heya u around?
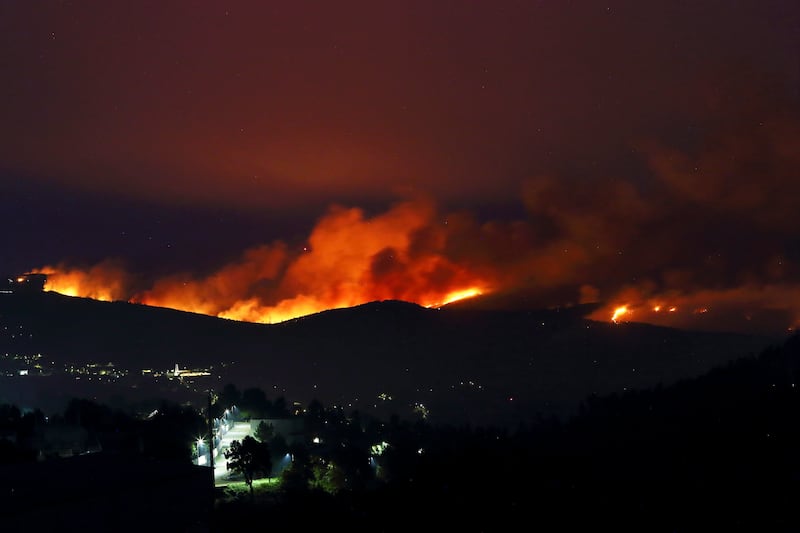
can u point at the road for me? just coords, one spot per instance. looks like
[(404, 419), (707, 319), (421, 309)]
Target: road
[(221, 474)]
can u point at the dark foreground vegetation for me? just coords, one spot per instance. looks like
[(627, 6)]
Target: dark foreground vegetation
[(718, 452)]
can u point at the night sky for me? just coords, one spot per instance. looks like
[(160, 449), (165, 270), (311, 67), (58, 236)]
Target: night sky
[(260, 160)]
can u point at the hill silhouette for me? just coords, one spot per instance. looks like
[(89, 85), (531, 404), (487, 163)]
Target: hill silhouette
[(453, 365)]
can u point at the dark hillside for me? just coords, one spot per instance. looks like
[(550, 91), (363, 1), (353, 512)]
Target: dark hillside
[(453, 365)]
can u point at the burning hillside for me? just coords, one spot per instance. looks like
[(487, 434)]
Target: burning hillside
[(696, 245)]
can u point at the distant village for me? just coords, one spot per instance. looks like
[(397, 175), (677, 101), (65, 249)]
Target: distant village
[(33, 365)]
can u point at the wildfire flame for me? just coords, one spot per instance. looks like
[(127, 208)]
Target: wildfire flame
[(658, 308), (410, 253), (456, 296), (349, 260), (619, 312), (104, 281)]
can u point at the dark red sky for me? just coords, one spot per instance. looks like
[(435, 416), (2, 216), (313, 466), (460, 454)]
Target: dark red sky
[(174, 135)]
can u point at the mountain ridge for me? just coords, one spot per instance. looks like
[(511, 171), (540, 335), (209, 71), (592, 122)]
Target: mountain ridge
[(451, 364)]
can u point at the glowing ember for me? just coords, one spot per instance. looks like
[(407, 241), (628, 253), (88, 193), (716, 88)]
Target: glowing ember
[(619, 312), (659, 308)]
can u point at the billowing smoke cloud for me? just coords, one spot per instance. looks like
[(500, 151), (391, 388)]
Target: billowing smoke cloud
[(705, 236), (349, 259), (720, 248)]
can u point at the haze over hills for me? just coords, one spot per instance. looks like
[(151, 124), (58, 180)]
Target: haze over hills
[(452, 365)]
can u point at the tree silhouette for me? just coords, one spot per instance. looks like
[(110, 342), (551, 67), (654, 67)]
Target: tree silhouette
[(249, 458), (230, 396), (297, 476), (265, 432), (279, 409), (255, 404)]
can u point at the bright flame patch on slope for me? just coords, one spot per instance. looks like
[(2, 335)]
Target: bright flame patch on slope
[(619, 312), (102, 282), (456, 296)]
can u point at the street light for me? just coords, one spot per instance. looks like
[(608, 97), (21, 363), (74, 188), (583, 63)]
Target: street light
[(201, 458)]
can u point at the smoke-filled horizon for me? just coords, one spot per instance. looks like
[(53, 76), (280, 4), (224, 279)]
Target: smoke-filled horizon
[(260, 160), (699, 240)]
